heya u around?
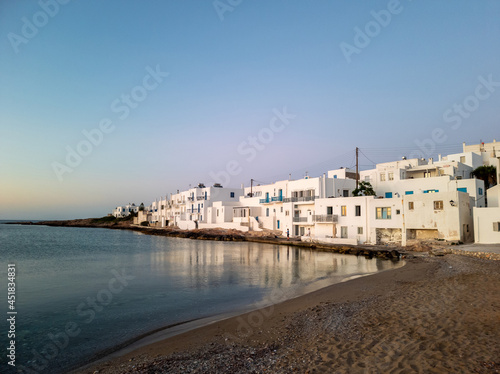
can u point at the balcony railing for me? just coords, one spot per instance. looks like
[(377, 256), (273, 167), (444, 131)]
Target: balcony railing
[(326, 218), (299, 199), (299, 219), (272, 199), (190, 198), (200, 197), (192, 211)]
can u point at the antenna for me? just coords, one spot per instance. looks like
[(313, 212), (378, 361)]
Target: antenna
[(357, 174)]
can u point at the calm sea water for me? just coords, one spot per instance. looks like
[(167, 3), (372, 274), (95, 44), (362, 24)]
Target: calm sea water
[(83, 291)]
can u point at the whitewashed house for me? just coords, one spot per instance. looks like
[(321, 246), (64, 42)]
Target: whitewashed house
[(125, 210), (487, 220), (408, 177)]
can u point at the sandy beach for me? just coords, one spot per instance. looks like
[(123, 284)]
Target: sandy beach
[(437, 314)]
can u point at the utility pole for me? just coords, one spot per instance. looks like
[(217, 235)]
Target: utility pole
[(357, 174), (251, 187)]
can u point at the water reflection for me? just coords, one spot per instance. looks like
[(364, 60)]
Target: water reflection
[(208, 264)]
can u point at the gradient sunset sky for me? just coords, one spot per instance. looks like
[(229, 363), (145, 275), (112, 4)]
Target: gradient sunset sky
[(210, 76)]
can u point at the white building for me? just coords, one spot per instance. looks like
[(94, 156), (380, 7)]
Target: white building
[(415, 199), (194, 208), (414, 176), (125, 210), (487, 220)]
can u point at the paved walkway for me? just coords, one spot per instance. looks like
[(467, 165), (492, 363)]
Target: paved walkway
[(493, 248)]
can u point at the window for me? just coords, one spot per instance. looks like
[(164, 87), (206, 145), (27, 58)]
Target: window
[(462, 189), (232, 194), (408, 192), (217, 212), (388, 195), (329, 210), (383, 213), (398, 211), (278, 223), (360, 231), (480, 191), (496, 226), (335, 176), (462, 159), (343, 232), (427, 174), (382, 177), (346, 193), (367, 178), (267, 212), (358, 210), (391, 176), (281, 209), (438, 205), (343, 210), (287, 213), (431, 191)]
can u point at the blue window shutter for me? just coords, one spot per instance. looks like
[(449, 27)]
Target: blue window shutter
[(409, 193), (462, 189), (388, 195)]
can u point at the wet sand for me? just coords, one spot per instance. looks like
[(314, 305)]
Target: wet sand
[(437, 314)]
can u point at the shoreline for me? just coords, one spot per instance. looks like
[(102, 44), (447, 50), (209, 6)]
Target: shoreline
[(433, 311), (392, 252), (440, 308), (171, 331)]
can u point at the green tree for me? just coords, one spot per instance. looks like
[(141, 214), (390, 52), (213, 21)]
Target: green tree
[(364, 189), (488, 174)]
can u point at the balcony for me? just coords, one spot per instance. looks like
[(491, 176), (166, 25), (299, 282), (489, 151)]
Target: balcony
[(200, 197), (190, 198), (299, 199), (269, 200), (193, 211), (299, 219), (326, 218)]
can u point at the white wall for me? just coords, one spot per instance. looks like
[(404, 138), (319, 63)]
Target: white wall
[(484, 218)]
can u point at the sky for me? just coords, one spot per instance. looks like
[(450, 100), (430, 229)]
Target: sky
[(103, 103)]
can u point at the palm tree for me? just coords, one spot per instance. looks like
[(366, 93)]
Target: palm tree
[(488, 174), (364, 189)]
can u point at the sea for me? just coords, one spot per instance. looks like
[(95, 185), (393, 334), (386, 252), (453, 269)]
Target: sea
[(82, 293)]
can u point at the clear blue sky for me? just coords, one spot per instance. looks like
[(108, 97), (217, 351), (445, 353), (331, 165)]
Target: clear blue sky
[(229, 71)]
